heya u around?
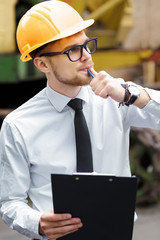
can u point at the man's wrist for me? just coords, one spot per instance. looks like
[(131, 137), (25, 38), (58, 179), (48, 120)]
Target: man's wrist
[(143, 99), (132, 94)]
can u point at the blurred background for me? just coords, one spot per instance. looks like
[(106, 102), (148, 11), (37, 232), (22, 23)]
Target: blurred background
[(128, 34)]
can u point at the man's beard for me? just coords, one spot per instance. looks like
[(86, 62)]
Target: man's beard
[(75, 81)]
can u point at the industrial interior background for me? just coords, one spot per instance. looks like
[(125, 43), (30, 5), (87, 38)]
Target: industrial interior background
[(128, 34)]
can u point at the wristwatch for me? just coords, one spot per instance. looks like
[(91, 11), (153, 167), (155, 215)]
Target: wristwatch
[(134, 93)]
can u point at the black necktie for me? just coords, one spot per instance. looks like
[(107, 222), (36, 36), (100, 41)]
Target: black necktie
[(83, 143)]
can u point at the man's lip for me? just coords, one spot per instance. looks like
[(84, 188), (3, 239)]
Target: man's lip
[(85, 68)]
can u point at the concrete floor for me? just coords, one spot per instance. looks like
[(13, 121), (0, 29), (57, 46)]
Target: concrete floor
[(147, 227), (7, 234)]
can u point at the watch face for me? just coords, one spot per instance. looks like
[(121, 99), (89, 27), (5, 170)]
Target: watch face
[(134, 90)]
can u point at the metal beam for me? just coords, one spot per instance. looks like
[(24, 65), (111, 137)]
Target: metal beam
[(103, 8), (111, 59)]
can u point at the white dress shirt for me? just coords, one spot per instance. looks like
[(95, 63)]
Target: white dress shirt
[(38, 139)]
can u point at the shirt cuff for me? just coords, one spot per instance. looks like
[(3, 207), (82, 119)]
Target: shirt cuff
[(154, 94), (32, 228), (35, 227), (154, 108)]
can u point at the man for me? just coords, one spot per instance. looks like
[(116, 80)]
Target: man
[(38, 138)]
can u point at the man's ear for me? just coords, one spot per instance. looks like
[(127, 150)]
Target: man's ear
[(41, 64)]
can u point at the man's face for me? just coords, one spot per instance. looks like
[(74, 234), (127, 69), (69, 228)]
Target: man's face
[(62, 69)]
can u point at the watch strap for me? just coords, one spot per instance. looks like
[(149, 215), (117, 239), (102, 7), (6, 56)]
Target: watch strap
[(126, 95), (131, 100)]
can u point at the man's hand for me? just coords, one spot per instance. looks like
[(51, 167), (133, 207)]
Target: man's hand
[(57, 225), (105, 85)]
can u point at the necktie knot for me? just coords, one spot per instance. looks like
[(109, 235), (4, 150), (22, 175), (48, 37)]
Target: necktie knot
[(75, 104)]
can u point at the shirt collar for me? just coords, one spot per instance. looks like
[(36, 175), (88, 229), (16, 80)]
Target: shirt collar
[(59, 101)]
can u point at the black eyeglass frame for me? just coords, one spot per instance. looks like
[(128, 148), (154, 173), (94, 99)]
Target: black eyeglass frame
[(50, 54)]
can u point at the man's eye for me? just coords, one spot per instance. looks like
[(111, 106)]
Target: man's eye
[(75, 49)]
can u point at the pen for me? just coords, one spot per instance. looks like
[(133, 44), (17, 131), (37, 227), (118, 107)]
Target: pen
[(91, 74)]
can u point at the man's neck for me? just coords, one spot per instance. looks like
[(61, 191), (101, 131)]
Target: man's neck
[(66, 90)]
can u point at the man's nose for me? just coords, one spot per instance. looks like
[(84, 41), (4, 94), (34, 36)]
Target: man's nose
[(85, 55)]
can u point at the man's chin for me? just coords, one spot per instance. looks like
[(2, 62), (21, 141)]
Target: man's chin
[(84, 80), (80, 81), (84, 83)]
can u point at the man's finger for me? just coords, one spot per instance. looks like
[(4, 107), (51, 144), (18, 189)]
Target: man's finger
[(50, 217), (93, 72), (72, 221), (58, 235)]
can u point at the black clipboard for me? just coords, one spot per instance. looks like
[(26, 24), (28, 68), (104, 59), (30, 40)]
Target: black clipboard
[(105, 204)]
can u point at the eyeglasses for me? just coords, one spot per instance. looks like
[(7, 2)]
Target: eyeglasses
[(76, 52)]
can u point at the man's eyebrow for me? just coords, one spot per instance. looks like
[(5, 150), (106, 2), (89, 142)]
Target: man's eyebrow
[(74, 45)]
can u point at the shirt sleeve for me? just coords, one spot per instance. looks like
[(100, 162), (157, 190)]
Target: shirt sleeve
[(147, 117), (14, 184), (154, 105)]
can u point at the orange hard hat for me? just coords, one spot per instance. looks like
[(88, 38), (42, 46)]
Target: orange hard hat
[(46, 22)]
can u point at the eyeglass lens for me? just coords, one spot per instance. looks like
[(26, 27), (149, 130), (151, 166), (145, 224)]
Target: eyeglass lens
[(75, 53)]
